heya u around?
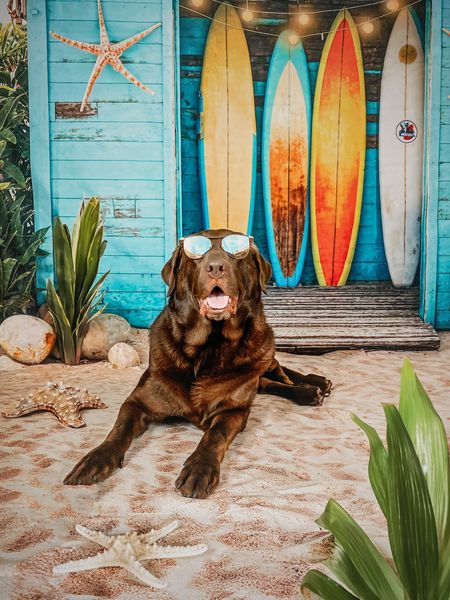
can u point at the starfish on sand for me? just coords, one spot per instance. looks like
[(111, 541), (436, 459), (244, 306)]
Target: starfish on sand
[(107, 54), (127, 550), (64, 402)]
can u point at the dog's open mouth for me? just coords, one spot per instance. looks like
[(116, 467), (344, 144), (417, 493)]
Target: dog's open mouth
[(218, 304)]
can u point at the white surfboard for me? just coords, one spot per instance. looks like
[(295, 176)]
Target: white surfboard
[(401, 147)]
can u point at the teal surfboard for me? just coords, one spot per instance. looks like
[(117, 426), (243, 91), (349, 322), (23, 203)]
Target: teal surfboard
[(286, 137)]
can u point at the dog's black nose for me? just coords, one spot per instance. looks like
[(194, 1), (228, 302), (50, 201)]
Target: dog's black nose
[(216, 269)]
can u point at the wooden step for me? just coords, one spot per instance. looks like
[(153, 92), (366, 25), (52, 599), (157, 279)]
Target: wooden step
[(369, 316)]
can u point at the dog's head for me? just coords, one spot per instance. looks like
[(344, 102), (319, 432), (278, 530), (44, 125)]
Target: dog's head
[(216, 272)]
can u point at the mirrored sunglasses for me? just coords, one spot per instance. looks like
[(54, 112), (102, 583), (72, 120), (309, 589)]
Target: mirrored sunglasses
[(235, 244)]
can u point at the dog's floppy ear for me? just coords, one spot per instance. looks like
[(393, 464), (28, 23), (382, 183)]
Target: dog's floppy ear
[(264, 269), (169, 271)]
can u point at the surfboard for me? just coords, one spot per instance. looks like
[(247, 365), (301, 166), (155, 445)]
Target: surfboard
[(401, 147), (338, 149), (285, 159), (227, 136)]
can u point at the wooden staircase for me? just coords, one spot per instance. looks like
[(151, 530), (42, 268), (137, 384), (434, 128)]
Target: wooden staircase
[(372, 316)]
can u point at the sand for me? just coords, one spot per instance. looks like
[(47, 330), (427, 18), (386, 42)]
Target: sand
[(259, 523)]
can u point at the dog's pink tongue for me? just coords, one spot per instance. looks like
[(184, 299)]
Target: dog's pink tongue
[(217, 301)]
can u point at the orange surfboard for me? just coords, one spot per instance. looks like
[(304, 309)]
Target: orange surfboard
[(337, 152)]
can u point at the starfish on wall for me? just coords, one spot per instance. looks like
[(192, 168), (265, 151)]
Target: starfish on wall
[(107, 54), (65, 402), (127, 550)]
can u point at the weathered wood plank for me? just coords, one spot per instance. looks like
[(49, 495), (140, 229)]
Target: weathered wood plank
[(88, 131), (94, 150), (138, 54), (370, 316), (121, 12), (102, 169), (79, 188), (104, 92)]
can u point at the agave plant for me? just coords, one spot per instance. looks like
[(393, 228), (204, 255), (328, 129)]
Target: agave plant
[(410, 479), (76, 301)]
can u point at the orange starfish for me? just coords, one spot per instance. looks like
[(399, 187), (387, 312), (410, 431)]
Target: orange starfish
[(65, 402), (107, 54)]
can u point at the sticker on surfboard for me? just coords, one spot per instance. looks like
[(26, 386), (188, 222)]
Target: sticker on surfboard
[(406, 131)]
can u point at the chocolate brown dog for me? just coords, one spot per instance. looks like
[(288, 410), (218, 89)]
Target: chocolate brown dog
[(211, 351)]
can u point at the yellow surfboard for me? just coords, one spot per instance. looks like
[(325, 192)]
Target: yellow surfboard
[(227, 141), (337, 152)]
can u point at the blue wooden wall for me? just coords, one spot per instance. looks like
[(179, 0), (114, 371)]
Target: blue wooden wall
[(124, 154), (443, 261), (369, 262)]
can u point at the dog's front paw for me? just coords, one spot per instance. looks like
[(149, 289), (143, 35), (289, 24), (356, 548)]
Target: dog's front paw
[(323, 383), (198, 478), (306, 394), (96, 466)]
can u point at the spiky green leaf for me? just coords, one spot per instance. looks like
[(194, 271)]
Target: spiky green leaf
[(62, 325), (377, 464), (342, 567), (427, 433), (368, 560), (411, 523), (64, 268), (325, 587)]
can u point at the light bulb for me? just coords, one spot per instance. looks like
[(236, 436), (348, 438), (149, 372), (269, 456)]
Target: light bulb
[(303, 18), (197, 3), (368, 27), (293, 38), (247, 15), (392, 5)]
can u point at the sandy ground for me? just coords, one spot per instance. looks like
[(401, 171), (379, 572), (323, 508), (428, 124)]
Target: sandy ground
[(259, 524)]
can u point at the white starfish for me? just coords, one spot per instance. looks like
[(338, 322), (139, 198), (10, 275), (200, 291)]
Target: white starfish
[(127, 550)]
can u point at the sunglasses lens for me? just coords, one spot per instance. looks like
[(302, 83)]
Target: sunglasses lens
[(196, 246), (236, 244)]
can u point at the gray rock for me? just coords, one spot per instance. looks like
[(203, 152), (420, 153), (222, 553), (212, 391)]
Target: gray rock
[(27, 339), (103, 332), (122, 356)]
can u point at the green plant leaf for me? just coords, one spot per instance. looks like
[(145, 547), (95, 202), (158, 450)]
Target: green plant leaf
[(89, 218), (15, 173), (2, 146), (342, 567), (378, 473), (92, 262), (62, 325), (324, 587), (7, 109), (4, 185), (64, 268), (411, 523), (13, 284), (6, 134), (427, 433), (8, 268), (30, 252), (367, 559)]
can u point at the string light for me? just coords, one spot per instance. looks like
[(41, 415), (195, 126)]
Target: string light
[(293, 38), (303, 18), (247, 14), (197, 3), (310, 12), (392, 5), (368, 24)]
